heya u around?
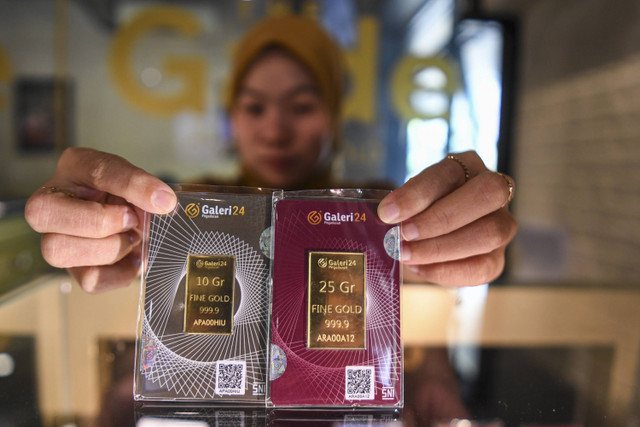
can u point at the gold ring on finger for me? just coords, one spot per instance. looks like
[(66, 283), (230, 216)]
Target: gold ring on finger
[(51, 189), (510, 185), (467, 174)]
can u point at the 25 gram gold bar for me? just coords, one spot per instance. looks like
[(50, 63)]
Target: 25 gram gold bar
[(336, 317)]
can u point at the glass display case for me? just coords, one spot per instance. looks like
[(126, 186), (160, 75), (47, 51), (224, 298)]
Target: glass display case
[(497, 355), (555, 343)]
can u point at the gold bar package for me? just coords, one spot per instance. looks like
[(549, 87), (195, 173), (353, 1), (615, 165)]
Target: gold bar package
[(204, 306), (335, 324)]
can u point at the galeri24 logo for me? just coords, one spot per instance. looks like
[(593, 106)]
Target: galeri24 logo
[(192, 210), (314, 217)]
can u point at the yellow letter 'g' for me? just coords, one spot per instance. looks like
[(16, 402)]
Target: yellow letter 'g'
[(190, 70)]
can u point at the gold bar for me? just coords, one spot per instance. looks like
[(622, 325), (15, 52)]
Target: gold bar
[(336, 316), (209, 294)]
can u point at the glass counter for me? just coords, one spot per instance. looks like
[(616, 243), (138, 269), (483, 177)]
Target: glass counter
[(485, 356)]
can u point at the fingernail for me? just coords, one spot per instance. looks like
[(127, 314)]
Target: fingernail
[(405, 253), (134, 237), (414, 268), (410, 231), (129, 220), (163, 200), (388, 212)]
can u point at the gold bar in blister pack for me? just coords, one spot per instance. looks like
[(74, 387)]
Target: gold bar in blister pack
[(336, 300), (209, 295)]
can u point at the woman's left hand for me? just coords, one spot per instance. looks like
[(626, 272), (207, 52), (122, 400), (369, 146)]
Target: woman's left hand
[(455, 222)]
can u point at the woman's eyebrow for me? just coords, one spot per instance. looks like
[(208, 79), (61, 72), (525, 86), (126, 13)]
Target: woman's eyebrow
[(302, 89), (244, 90), (297, 90)]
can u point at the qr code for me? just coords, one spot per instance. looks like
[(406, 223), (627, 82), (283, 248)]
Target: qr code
[(360, 383), (230, 377)]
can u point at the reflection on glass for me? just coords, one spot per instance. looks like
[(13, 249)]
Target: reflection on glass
[(426, 143), (480, 53), (473, 110)]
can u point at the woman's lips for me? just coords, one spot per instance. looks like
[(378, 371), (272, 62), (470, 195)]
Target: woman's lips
[(281, 164)]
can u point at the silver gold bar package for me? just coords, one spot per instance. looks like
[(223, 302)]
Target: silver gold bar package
[(204, 305), (335, 324)]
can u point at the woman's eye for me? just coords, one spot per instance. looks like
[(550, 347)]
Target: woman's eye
[(254, 109), (303, 108)]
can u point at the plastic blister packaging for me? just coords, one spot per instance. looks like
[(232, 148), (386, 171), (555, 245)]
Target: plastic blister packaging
[(204, 304), (335, 331)]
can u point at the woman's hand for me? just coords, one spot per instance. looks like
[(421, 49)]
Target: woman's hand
[(90, 214), (455, 227)]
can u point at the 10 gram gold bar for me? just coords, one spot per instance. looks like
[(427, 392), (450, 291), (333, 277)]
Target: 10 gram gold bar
[(209, 296)]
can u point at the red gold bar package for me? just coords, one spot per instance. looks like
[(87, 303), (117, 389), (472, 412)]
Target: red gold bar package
[(335, 329)]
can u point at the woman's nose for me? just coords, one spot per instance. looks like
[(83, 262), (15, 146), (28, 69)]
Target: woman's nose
[(276, 126)]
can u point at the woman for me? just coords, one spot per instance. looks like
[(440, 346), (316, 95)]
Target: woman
[(284, 101)]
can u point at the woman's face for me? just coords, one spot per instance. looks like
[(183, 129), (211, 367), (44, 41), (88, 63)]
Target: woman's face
[(281, 125)]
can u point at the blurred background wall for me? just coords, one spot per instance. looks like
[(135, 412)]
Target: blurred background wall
[(577, 141)]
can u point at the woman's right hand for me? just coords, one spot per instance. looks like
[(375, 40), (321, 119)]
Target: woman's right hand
[(90, 215)]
